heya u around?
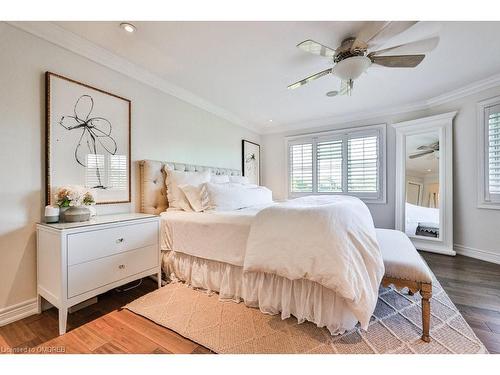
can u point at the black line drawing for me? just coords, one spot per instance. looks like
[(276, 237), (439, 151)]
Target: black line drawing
[(96, 133)]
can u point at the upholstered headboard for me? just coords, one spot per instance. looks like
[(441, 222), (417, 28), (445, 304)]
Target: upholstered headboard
[(153, 189)]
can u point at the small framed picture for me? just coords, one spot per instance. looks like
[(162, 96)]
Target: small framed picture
[(250, 161)]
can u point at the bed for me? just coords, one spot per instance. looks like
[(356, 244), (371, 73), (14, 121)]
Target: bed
[(212, 251), (421, 221)]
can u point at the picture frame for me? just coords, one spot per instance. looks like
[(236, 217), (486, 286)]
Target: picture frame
[(250, 161), (88, 140)]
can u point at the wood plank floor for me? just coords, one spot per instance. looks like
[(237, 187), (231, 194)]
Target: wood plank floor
[(99, 328), (473, 285)]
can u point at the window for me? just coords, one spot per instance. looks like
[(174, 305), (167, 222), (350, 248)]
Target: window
[(329, 159), (349, 161), (362, 164), (118, 172), (489, 118), (110, 176), (301, 167), (95, 173)]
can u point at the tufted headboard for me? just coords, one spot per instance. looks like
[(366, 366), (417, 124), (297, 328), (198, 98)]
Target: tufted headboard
[(153, 189)]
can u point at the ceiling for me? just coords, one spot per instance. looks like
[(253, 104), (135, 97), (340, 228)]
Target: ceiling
[(244, 67)]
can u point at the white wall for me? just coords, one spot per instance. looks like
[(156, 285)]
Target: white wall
[(163, 128), (476, 231)]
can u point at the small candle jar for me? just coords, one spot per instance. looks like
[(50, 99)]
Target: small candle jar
[(51, 214)]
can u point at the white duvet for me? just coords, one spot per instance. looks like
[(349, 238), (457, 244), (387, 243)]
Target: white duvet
[(330, 240)]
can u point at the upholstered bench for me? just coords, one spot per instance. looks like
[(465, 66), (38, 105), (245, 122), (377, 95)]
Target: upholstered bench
[(405, 268)]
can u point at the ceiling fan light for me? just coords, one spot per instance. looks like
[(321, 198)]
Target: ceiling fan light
[(351, 68)]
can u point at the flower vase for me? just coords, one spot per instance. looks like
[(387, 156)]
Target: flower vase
[(75, 214)]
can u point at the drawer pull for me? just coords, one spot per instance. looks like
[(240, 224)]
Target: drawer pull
[(119, 240), (121, 266)]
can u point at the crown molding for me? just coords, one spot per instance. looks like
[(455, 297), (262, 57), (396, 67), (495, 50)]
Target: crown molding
[(66, 39), (59, 36), (347, 118), (464, 91), (470, 89)]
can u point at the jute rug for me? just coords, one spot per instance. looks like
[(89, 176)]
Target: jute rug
[(229, 327)]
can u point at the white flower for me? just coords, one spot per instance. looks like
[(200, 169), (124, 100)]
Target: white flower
[(73, 195)]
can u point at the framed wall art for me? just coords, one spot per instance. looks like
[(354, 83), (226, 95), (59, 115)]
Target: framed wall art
[(250, 161), (87, 140)]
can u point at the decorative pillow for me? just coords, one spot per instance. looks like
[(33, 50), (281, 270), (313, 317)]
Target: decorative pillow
[(197, 196), (233, 196), (176, 197), (239, 179), (219, 179)]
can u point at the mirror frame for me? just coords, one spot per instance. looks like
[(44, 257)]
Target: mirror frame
[(443, 125)]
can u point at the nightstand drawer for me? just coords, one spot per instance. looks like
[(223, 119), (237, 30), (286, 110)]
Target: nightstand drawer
[(87, 276), (86, 246)]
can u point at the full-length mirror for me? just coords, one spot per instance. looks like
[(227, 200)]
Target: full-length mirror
[(424, 201), (422, 185)]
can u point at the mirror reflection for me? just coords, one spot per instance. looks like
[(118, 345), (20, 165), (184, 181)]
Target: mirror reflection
[(422, 185)]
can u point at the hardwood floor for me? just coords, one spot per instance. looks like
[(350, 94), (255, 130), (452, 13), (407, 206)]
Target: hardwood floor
[(473, 285), (99, 328)]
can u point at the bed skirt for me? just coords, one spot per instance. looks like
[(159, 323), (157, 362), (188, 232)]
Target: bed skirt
[(272, 294)]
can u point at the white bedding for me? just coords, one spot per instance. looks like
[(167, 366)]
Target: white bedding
[(220, 236), (322, 245), (418, 214), (330, 240)]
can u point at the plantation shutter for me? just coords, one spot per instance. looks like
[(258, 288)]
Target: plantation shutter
[(118, 172), (362, 164), (95, 173), (301, 167), (493, 143), (329, 166)]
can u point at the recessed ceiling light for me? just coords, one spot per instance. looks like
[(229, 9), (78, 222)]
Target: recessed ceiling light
[(128, 27), (332, 93), (270, 120), (429, 170)]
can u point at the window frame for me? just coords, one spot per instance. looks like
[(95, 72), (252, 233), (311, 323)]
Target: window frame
[(484, 198), (379, 197)]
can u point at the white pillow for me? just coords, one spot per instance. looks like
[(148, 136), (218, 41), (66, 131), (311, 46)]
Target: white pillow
[(239, 179), (219, 179), (176, 197), (233, 196), (197, 196)]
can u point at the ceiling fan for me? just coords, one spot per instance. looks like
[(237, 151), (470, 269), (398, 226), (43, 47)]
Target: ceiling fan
[(433, 148), (356, 54)]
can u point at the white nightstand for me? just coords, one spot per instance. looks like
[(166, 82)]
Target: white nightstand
[(78, 261)]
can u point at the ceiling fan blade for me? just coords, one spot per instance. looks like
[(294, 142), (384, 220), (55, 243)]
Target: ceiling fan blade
[(420, 154), (433, 146), (346, 88), (421, 46), (310, 78), (390, 30), (401, 61), (316, 48), (369, 30)]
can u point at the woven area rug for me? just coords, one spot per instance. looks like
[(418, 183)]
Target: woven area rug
[(229, 327)]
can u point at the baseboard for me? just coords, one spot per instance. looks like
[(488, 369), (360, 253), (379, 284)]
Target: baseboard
[(19, 311), (485, 255)]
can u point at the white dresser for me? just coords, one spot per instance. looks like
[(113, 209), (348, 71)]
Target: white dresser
[(78, 261)]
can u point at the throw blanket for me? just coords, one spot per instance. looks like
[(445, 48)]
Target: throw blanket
[(330, 240)]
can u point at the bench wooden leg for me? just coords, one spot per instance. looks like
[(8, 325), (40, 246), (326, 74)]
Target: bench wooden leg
[(426, 293)]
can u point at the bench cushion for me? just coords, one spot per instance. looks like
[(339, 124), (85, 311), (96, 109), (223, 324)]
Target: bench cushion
[(401, 259)]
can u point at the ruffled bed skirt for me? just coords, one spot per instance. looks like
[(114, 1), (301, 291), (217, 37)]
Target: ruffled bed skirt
[(272, 294)]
